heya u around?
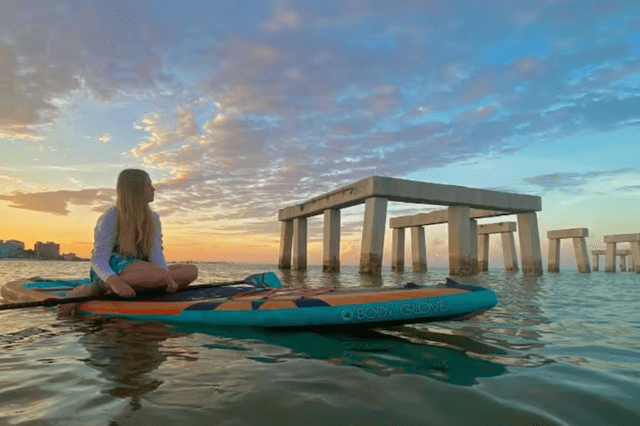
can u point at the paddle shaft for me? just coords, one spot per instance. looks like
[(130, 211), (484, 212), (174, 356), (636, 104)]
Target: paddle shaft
[(53, 301)]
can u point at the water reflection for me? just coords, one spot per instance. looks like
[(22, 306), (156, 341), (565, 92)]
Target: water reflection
[(373, 351), (128, 352), (125, 353)]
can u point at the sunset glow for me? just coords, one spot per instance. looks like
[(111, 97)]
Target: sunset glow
[(238, 109)]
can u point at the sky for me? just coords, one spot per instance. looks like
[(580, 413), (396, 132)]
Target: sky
[(240, 108)]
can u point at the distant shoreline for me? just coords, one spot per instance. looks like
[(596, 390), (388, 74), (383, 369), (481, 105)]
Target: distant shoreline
[(43, 260)]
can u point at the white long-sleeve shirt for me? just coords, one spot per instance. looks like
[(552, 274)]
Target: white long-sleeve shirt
[(106, 238)]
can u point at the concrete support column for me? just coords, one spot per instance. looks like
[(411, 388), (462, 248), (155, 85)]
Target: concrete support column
[(473, 238), (509, 251), (635, 255), (596, 262), (331, 243), (286, 239), (610, 266), (582, 257), (397, 249), (623, 263), (483, 252), (300, 244), (418, 249), (554, 255), (460, 242), (530, 244), (375, 217)]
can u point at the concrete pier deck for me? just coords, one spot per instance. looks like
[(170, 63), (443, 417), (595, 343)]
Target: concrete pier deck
[(376, 191)]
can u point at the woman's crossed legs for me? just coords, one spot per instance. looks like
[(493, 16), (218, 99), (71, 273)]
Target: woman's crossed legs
[(143, 275), (140, 276)]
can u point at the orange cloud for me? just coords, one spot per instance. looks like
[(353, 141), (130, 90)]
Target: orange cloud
[(56, 202)]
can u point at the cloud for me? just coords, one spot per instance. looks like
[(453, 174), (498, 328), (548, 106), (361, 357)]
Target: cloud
[(52, 51), (56, 202), (283, 18), (572, 182), (629, 188), (284, 102), (106, 137), (482, 113)]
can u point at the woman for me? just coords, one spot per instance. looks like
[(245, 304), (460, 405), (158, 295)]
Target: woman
[(127, 255)]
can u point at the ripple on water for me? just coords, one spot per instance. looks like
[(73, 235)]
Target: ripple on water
[(558, 349)]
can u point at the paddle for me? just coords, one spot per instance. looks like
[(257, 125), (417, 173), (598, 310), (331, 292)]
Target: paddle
[(263, 280)]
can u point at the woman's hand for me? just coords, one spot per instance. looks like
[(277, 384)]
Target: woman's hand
[(118, 286)]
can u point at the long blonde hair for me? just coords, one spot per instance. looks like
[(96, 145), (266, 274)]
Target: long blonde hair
[(135, 223)]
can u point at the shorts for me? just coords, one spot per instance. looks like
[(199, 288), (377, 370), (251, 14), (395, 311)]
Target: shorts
[(117, 262)]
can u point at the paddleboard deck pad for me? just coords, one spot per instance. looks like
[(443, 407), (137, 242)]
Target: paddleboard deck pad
[(244, 305)]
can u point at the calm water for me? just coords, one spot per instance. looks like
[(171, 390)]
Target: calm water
[(561, 349)]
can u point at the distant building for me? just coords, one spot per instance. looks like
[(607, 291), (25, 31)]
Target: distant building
[(11, 248), (48, 250), (69, 256)]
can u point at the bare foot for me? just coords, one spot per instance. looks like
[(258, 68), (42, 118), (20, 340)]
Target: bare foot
[(172, 287), (68, 308), (118, 286)]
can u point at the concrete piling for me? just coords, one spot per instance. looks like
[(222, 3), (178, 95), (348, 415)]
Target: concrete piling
[(299, 244), (397, 250), (460, 242), (375, 217), (610, 265), (509, 252), (418, 249), (483, 252), (635, 256), (286, 240), (554, 255), (473, 232), (331, 242), (530, 244)]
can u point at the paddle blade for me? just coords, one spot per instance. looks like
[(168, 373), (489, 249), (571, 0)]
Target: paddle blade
[(271, 280), (264, 280)]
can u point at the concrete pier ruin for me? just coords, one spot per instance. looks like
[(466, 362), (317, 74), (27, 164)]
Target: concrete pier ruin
[(506, 230), (634, 246), (417, 223), (376, 191), (479, 244), (622, 255), (578, 236)]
